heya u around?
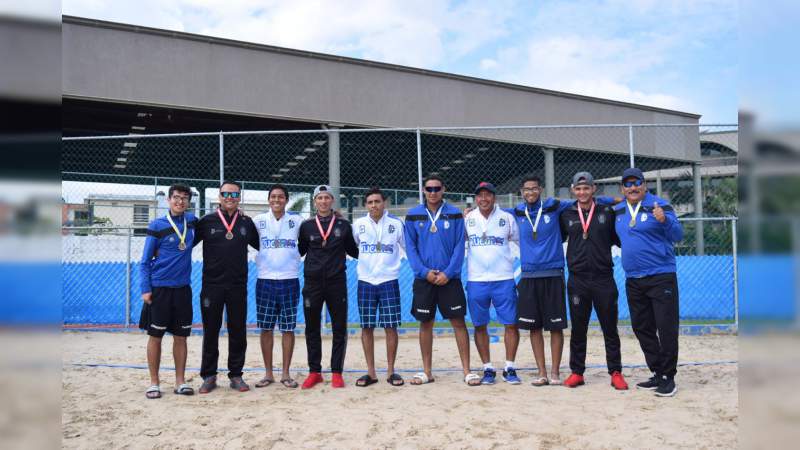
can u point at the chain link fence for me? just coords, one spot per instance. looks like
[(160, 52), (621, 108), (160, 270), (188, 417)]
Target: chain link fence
[(113, 186)]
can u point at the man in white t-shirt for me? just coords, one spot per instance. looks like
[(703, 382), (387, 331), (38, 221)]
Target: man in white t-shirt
[(379, 237), (490, 278), (278, 287)]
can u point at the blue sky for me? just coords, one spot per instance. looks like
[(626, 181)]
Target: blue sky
[(673, 54)]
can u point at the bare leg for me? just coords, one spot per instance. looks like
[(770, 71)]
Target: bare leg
[(179, 352), (482, 343), (391, 349), (368, 342), (153, 358), (537, 343), (426, 347), (267, 340), (556, 349), (287, 342), (462, 341), (511, 340)]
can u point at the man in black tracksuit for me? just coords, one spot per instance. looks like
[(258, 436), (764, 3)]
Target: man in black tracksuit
[(226, 234), (589, 229), (324, 240)]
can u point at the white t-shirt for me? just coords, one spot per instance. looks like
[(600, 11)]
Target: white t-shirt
[(489, 256), (278, 257), (379, 265)]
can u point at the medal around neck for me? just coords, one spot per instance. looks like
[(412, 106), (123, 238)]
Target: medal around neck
[(181, 236), (229, 234)]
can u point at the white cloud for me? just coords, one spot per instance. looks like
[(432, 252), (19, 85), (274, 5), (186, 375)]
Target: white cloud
[(488, 64)]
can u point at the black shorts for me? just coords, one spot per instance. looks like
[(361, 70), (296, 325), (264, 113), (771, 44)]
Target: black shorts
[(170, 311), (449, 298), (541, 304)]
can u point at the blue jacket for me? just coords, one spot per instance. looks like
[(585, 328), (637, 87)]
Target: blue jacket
[(647, 247), (443, 250), (546, 252), (163, 264)]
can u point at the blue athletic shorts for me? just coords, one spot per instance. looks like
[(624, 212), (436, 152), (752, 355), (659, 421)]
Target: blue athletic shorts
[(483, 294), (276, 302), (384, 297)]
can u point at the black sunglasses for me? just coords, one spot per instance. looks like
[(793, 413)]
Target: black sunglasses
[(433, 188), (230, 194), (636, 182)]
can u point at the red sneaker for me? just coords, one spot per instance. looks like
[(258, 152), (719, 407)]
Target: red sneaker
[(337, 381), (618, 381), (312, 380), (574, 380)]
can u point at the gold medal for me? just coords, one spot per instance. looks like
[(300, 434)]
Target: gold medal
[(433, 228), (182, 246), (181, 236), (229, 235), (534, 235), (632, 222)]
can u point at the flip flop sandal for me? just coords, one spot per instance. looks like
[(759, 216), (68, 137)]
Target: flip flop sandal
[(555, 381), (153, 392), (264, 382), (541, 381), (394, 378), (184, 389), (422, 378), (470, 377), (365, 381), (289, 383)]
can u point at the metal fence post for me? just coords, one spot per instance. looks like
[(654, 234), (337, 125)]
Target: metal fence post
[(549, 173), (128, 281), (419, 163), (735, 274), (630, 143), (221, 158), (334, 165), (700, 243)]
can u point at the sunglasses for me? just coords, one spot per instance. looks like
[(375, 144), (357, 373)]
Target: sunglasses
[(637, 182), (230, 194), (433, 188)]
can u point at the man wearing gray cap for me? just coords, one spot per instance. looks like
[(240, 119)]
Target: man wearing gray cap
[(588, 228), (325, 240)]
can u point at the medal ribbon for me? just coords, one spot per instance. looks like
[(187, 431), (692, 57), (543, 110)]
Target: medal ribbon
[(634, 212), (330, 227), (485, 224), (585, 223), (535, 226), (225, 222), (182, 237), (438, 213), (377, 230)]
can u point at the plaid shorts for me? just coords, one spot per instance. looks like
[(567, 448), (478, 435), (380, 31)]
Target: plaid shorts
[(276, 302), (385, 298)]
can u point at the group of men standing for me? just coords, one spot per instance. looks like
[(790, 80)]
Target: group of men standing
[(433, 237)]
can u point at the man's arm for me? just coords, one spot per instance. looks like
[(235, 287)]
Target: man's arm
[(150, 245), (667, 217), (302, 241), (412, 252), (457, 258), (350, 245), (199, 234), (255, 238)]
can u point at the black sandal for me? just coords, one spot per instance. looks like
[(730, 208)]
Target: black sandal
[(394, 378), (365, 381)]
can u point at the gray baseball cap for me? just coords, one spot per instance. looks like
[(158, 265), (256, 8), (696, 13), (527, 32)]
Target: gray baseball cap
[(322, 189), (582, 178)]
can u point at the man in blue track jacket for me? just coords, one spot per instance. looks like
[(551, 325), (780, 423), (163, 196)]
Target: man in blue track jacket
[(647, 228), (166, 270), (434, 236)]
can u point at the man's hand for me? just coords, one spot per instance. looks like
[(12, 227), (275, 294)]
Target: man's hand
[(147, 297), (431, 277), (468, 210), (658, 212), (441, 279)]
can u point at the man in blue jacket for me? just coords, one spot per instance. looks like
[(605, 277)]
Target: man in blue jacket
[(166, 270), (647, 228), (434, 235)]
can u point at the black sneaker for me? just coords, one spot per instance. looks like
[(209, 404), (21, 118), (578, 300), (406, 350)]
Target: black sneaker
[(666, 387), (651, 384)]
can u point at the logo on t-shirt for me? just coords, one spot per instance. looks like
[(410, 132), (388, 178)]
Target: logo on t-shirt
[(471, 222), (502, 223), (262, 224), (446, 224), (391, 229), (547, 218), (291, 223), (362, 229)]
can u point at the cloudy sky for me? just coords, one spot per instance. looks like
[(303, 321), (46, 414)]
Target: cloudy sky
[(669, 53)]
